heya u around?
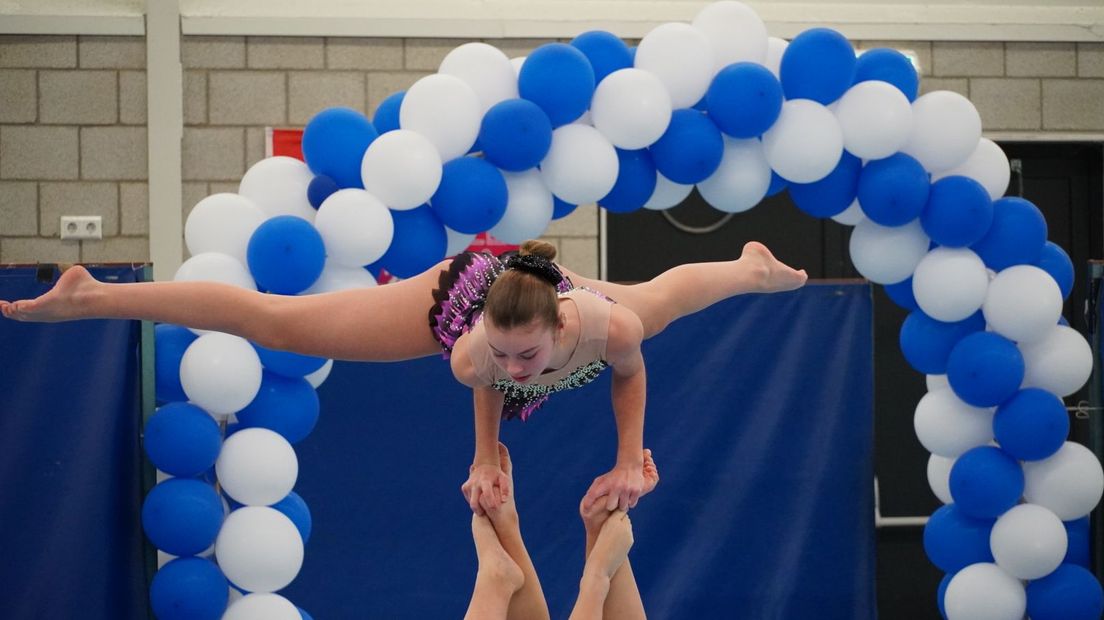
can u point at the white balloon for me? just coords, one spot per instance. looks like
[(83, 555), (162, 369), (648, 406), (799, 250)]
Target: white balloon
[(1023, 304), (950, 284), (266, 606), (1069, 483), (259, 550), (742, 179), (337, 277), (257, 467), (775, 48), (631, 108), (445, 110), (681, 57), (1060, 362), (887, 255), (581, 165), (948, 427), (805, 143), (485, 69), (528, 210), (984, 592), (215, 267), (278, 186), (935, 382), (319, 376), (402, 168), (355, 227), (946, 128), (939, 476), (735, 33), (220, 373), (457, 241), (667, 193), (516, 63), (876, 119), (1028, 541), (222, 223), (233, 596), (987, 165), (850, 216)]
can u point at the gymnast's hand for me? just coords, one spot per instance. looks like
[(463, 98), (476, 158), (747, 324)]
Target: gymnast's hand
[(622, 487), (486, 488)]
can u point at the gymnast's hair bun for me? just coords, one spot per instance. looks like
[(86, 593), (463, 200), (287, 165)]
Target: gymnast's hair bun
[(539, 248)]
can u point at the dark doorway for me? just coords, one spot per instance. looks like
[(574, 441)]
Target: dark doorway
[(1063, 179)]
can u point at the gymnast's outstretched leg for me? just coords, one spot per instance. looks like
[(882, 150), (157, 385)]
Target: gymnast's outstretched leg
[(498, 578), (686, 289), (382, 323)]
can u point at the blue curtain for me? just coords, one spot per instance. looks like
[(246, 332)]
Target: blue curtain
[(70, 415), (760, 415)]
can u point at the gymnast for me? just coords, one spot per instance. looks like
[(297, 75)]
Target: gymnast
[(516, 330), (506, 584)]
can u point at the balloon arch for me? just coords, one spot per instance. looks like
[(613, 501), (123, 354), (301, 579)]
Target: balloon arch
[(493, 144)]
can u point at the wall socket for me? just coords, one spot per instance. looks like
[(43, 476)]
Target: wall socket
[(81, 227)]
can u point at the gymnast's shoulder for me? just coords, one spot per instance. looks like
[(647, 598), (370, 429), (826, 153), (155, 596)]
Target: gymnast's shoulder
[(463, 368), (624, 337)]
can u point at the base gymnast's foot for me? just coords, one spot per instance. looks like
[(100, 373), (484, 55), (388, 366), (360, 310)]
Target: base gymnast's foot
[(776, 275), (495, 565), (611, 548)]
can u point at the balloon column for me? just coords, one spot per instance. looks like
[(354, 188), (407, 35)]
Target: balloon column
[(493, 144)]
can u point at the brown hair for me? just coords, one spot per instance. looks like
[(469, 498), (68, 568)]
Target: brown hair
[(518, 297)]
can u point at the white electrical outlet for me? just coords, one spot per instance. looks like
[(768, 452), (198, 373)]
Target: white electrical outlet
[(81, 227)]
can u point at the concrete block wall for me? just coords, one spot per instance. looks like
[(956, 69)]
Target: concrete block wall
[(73, 113)]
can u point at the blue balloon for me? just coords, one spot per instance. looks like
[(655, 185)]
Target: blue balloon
[(832, 194), (1069, 593), (605, 51), (954, 540), (941, 594), (986, 482), (1079, 537), (636, 182), (1031, 425), (1016, 237), (959, 212), (901, 294), (386, 117), (516, 135), (744, 99), (471, 197), (558, 78), (888, 65), (189, 588), (295, 509), (182, 516), (304, 614), (894, 190), (777, 184), (927, 343), (320, 188), (182, 440), (334, 142), (561, 208), (1057, 263), (690, 150), (818, 64), (169, 344), (287, 363), (985, 369), (285, 255), (285, 405), (419, 243)]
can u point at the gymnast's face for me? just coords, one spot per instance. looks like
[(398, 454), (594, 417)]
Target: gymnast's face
[(523, 351)]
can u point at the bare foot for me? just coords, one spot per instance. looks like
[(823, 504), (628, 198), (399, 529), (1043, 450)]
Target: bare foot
[(495, 564), (777, 275), (596, 516), (61, 303), (611, 548), (505, 515)]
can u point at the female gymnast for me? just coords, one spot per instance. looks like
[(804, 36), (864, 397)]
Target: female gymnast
[(546, 329), (506, 584)]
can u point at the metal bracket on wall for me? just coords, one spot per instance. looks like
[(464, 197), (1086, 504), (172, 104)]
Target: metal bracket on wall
[(696, 230)]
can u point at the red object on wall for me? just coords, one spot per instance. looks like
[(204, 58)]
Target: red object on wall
[(289, 143)]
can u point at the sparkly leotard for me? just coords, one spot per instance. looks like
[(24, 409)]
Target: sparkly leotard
[(458, 310)]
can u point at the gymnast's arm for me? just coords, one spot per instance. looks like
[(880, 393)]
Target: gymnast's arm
[(624, 483), (487, 484)]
